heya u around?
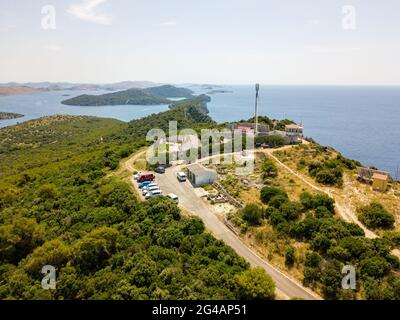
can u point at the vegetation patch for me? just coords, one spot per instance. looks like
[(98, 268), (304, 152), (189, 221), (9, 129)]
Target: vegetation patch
[(376, 216)]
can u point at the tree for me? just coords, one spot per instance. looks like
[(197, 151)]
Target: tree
[(374, 267), (269, 169), (267, 193), (290, 256), (252, 214), (291, 210), (193, 226), (278, 201), (310, 201), (331, 280), (254, 284), (376, 216), (53, 252), (47, 192), (92, 251), (19, 238)]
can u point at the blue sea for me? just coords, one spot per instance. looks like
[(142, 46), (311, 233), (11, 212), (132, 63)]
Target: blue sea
[(363, 123)]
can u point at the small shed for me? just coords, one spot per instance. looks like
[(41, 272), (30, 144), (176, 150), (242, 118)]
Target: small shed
[(380, 181), (199, 175)]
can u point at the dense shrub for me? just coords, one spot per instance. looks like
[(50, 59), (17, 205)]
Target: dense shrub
[(255, 284), (376, 216), (267, 193), (269, 169), (310, 201), (252, 214), (328, 172)]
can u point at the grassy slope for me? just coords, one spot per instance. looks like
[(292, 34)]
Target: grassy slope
[(58, 207)]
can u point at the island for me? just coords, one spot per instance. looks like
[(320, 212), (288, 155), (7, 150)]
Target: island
[(149, 96), (219, 91), (17, 90), (10, 115)]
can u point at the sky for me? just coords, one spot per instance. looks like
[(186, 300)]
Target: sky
[(282, 42)]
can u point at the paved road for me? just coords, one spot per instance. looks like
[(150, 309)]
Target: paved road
[(188, 200)]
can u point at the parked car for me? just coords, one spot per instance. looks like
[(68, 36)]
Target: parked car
[(160, 169), (146, 177), (152, 184), (144, 184), (151, 189), (173, 197), (181, 176), (156, 192)]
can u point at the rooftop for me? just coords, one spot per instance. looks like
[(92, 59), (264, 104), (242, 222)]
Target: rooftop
[(197, 168), (293, 126), (380, 176)]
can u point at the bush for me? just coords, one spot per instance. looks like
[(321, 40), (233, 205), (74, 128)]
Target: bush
[(329, 172), (310, 201), (290, 256), (375, 216), (269, 169), (375, 267), (267, 193), (252, 214), (291, 210), (254, 284), (278, 201)]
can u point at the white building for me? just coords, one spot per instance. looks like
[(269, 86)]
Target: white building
[(199, 175), (177, 146), (294, 134)]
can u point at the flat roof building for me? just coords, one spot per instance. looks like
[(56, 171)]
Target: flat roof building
[(380, 181), (199, 175)]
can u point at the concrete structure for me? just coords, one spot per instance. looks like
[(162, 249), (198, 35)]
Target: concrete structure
[(245, 127), (293, 134), (380, 181), (199, 176), (366, 174), (177, 146)]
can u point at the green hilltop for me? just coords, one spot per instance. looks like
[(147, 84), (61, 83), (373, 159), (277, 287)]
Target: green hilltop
[(150, 96), (61, 204)]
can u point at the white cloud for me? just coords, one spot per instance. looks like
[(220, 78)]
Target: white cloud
[(169, 23), (52, 47), (86, 10)]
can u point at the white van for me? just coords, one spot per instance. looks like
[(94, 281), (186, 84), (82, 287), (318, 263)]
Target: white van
[(181, 176)]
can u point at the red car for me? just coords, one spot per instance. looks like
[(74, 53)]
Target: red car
[(146, 177)]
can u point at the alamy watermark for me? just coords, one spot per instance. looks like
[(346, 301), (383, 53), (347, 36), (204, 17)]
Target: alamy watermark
[(49, 280), (213, 147), (349, 280), (349, 19)]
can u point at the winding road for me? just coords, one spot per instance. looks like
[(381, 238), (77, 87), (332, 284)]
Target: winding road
[(189, 201)]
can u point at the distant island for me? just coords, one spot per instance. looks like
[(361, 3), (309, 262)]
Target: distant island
[(219, 91), (17, 90), (149, 96), (10, 115)]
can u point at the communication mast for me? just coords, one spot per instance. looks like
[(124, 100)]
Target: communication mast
[(256, 111)]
